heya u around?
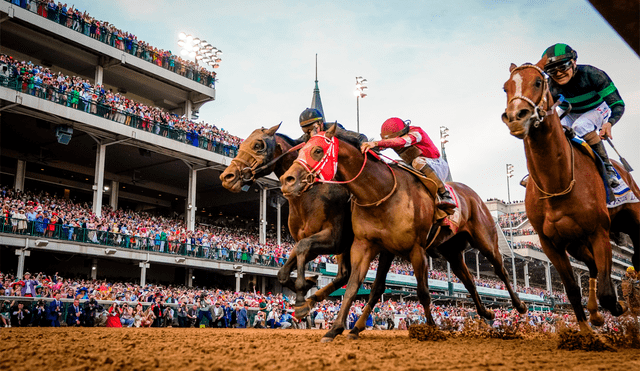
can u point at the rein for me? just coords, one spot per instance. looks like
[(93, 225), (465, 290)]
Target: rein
[(254, 168), (540, 115)]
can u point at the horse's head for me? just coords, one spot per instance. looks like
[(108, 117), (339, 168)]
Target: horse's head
[(317, 160), (258, 149), (528, 98)]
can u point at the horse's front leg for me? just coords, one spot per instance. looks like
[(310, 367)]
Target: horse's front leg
[(420, 265), (361, 255), (307, 249), (605, 291), (384, 263), (284, 274)]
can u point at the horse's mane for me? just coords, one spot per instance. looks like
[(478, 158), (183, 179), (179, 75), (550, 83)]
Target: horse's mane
[(286, 138)]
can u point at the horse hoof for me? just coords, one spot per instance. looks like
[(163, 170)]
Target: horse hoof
[(302, 311), (488, 314), (326, 340), (623, 306), (522, 309), (596, 319), (353, 336)]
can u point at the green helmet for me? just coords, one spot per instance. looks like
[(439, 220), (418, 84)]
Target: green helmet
[(310, 116), (559, 57)]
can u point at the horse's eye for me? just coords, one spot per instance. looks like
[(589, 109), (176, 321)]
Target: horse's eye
[(257, 145), (538, 83), (317, 151)]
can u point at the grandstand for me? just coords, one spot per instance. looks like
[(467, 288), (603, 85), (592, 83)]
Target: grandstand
[(140, 154)]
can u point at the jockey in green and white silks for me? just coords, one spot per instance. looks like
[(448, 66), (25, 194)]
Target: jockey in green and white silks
[(596, 104)]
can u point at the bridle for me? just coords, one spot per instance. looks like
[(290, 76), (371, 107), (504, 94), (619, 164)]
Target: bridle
[(254, 167), (314, 172), (539, 112), (539, 115)]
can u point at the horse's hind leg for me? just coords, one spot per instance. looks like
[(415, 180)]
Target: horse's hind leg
[(385, 259), (605, 290), (487, 244), (421, 271), (453, 254), (560, 260), (284, 274)]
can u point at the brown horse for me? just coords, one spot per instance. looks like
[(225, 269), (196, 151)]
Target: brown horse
[(565, 198), (393, 213), (320, 220)]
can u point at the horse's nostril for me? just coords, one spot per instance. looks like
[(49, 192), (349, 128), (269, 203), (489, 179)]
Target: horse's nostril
[(229, 177), (289, 180), (523, 113)]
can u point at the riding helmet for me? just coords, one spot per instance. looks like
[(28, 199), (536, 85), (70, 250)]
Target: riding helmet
[(394, 127), (310, 116), (558, 55)]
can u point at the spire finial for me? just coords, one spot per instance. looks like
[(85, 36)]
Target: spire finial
[(316, 67)]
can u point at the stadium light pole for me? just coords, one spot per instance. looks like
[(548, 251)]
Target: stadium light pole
[(513, 254), (199, 50), (444, 134), (359, 93)]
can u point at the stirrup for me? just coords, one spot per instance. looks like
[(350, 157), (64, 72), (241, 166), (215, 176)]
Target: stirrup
[(524, 181), (612, 179)]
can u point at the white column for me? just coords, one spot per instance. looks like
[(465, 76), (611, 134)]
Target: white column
[(263, 216), (279, 222), (21, 255), (238, 277), (99, 75), (21, 169), (190, 212), (430, 263), (94, 269), (113, 198), (188, 107), (548, 275), (526, 274), (143, 273), (98, 183), (263, 285), (478, 264), (579, 281)]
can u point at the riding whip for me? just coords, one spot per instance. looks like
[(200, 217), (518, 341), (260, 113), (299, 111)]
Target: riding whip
[(626, 165)]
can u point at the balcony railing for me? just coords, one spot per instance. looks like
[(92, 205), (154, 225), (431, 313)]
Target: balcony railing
[(117, 40), (73, 100), (66, 232)]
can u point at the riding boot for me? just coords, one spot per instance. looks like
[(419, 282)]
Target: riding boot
[(444, 201), (612, 178)]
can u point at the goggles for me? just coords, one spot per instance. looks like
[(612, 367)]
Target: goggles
[(558, 68)]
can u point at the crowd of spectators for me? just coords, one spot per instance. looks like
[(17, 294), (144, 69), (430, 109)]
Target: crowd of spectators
[(512, 219), (78, 93), (80, 21), (92, 303), (43, 214)]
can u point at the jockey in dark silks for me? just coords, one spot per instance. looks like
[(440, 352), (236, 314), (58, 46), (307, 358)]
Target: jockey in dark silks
[(312, 122), (596, 104), (415, 147)]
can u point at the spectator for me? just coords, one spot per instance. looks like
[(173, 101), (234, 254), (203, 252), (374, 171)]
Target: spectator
[(20, 316), (113, 316), (75, 314), (55, 311)]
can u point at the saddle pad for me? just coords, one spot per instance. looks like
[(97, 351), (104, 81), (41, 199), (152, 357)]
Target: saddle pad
[(622, 194), (453, 220)]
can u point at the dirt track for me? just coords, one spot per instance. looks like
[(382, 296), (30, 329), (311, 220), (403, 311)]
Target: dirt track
[(231, 349)]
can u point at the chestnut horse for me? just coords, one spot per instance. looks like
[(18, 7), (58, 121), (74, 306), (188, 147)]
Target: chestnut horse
[(565, 198), (393, 213), (320, 220)]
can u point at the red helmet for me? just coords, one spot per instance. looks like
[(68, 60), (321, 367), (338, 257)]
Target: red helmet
[(394, 127)]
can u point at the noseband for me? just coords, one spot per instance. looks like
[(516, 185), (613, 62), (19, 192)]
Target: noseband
[(538, 108)]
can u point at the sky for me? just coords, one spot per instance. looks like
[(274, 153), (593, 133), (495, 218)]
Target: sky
[(436, 63)]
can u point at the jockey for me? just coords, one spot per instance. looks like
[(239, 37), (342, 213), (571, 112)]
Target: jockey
[(596, 103), (312, 122), (416, 148)]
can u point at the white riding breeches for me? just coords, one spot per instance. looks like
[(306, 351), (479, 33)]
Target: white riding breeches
[(584, 123)]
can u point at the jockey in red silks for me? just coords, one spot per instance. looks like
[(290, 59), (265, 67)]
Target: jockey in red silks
[(415, 147)]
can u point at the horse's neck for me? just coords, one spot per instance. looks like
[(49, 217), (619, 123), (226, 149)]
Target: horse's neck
[(375, 181), (285, 162), (549, 157)]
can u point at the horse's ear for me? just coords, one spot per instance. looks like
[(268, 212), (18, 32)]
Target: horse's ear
[(332, 131), (512, 67), (272, 130), (541, 63)]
